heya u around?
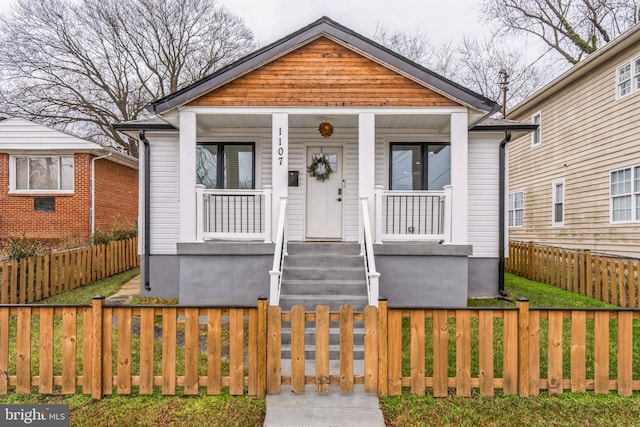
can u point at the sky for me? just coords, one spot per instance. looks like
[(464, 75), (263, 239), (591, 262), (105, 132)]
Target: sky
[(440, 20)]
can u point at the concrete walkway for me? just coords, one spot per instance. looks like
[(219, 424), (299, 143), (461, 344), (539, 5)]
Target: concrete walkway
[(333, 409), (311, 409), (126, 291)]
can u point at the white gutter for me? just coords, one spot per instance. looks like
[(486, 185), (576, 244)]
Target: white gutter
[(93, 192)]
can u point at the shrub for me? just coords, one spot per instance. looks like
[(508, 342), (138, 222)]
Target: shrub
[(118, 232), (17, 248)]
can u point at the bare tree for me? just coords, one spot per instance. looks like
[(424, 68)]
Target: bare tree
[(473, 64), (479, 65), (84, 65), (573, 28)]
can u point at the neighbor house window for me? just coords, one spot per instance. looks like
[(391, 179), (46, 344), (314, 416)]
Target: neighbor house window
[(225, 165), (420, 166), (628, 78), (42, 174), (536, 135), (625, 194), (558, 204), (516, 209)]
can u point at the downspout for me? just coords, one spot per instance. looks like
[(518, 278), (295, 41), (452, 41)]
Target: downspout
[(147, 211), (501, 220), (93, 193)]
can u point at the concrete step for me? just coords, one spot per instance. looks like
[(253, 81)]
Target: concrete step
[(334, 352), (334, 336), (327, 262), (328, 248), (319, 288), (332, 273)]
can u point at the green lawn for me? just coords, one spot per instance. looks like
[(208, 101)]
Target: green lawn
[(568, 409)]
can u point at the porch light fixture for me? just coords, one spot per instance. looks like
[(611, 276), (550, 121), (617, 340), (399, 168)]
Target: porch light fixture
[(325, 129)]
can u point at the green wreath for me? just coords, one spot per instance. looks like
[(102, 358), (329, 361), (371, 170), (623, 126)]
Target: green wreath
[(320, 168)]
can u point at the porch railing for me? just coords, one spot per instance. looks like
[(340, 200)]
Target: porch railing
[(373, 277), (412, 215), (279, 254), (233, 214)]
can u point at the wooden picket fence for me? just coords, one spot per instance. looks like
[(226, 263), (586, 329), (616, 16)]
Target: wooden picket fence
[(607, 278), (33, 279), (100, 350)]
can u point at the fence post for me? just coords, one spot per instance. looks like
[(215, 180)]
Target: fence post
[(530, 250), (261, 374), (97, 305), (523, 347), (588, 277), (383, 361)]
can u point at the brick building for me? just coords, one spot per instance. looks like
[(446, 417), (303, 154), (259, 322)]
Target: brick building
[(54, 185)]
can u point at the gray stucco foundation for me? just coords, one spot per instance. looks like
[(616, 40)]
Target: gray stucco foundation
[(224, 273), (164, 275), (423, 274), (483, 277)]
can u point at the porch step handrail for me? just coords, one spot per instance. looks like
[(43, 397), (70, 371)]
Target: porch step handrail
[(278, 256), (372, 275)]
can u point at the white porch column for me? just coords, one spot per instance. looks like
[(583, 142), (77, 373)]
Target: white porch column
[(187, 176), (459, 177), (279, 164), (367, 161)]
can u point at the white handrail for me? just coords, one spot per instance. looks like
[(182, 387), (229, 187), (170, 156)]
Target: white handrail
[(372, 275), (278, 256)]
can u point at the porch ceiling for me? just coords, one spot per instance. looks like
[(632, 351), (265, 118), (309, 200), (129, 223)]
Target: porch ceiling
[(207, 123)]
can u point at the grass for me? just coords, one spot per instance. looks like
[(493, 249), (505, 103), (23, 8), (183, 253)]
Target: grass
[(539, 295), (84, 294)]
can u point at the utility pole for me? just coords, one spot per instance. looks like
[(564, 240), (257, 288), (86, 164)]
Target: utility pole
[(504, 86)]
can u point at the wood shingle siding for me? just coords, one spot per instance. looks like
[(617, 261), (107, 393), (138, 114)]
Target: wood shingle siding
[(323, 73)]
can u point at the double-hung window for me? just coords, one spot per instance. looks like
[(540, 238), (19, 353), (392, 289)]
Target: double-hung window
[(536, 135), (516, 209), (628, 78), (420, 166), (226, 165), (625, 194), (558, 204), (41, 174)]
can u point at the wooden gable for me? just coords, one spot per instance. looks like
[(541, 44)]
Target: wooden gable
[(323, 73)]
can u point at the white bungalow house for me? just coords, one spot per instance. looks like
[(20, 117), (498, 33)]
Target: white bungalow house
[(237, 187)]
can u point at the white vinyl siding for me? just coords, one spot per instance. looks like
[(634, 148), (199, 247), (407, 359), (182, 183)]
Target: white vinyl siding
[(516, 209), (558, 203), (164, 197), (625, 195), (484, 177)]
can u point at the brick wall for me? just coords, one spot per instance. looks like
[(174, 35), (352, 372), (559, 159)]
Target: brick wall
[(116, 199), (116, 202)]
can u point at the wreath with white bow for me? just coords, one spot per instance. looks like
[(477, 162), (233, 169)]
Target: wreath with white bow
[(320, 168)]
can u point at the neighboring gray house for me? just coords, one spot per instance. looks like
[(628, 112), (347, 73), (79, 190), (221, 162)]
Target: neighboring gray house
[(372, 174)]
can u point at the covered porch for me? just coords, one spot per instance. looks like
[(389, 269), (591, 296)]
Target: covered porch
[(370, 150)]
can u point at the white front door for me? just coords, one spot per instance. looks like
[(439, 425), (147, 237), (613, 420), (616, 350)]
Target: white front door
[(325, 198)]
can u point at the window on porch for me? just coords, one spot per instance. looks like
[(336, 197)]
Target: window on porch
[(420, 166), (226, 165)]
